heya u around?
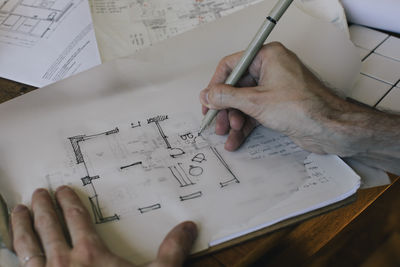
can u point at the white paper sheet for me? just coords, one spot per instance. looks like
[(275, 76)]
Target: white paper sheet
[(44, 41), (106, 103), (327, 10), (124, 27), (370, 176)]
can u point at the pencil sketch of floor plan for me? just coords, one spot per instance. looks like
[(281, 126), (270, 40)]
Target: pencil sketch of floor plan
[(24, 22), (144, 156)]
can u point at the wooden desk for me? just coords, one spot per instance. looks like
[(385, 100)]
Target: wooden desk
[(342, 237)]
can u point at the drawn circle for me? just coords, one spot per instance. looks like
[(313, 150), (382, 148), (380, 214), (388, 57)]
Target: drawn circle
[(195, 170)]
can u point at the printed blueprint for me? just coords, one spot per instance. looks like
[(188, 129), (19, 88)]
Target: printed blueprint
[(45, 41), (25, 22), (123, 27)]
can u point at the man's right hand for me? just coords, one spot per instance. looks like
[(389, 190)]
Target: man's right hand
[(280, 93)]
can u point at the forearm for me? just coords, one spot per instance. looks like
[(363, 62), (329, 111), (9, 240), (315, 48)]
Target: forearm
[(282, 94), (370, 136)]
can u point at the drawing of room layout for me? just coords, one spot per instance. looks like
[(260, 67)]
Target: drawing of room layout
[(23, 22), (146, 157)]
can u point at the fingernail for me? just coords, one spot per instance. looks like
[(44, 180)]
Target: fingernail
[(204, 96), (40, 190), (61, 188), (191, 228), (19, 208)]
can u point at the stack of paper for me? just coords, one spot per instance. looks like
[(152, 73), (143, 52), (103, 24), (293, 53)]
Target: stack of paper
[(127, 129)]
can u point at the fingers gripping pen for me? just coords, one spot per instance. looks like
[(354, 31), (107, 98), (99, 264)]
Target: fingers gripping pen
[(251, 51)]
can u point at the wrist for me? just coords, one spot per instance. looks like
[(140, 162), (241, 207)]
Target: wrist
[(354, 130)]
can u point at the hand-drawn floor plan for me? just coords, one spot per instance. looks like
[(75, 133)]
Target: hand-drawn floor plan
[(153, 151), (23, 22), (139, 175)]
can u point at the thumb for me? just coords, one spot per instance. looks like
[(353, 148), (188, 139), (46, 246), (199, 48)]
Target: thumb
[(223, 96), (177, 244)]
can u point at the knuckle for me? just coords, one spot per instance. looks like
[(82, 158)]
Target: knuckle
[(86, 255), (223, 61), (45, 220), (59, 260), (277, 45), (88, 250), (212, 95), (274, 49), (255, 104), (74, 211), (228, 62), (55, 244), (219, 96), (21, 240), (90, 240), (222, 64)]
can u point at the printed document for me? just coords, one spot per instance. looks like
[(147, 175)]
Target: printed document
[(45, 41)]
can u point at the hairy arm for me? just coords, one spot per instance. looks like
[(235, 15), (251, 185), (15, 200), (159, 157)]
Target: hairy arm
[(281, 93)]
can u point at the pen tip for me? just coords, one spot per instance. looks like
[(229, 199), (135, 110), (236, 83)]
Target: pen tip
[(200, 130)]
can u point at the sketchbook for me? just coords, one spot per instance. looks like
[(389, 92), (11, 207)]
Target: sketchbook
[(124, 136)]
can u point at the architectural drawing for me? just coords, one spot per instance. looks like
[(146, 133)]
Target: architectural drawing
[(130, 165), (156, 121), (134, 125), (88, 179), (233, 179), (199, 158), (23, 22), (191, 196), (180, 175), (160, 149), (145, 23), (195, 170), (156, 20), (149, 208)]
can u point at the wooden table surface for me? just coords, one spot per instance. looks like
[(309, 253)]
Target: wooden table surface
[(338, 238)]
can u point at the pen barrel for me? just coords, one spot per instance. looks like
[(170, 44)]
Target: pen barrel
[(258, 40), (250, 52), (279, 8)]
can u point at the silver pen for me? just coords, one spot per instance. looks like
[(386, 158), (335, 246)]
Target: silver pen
[(251, 51)]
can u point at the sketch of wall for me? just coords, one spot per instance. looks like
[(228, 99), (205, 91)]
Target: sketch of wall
[(180, 175), (144, 153), (99, 217), (232, 179), (23, 22)]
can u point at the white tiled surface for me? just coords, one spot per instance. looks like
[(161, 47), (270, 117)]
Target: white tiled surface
[(368, 90), (381, 68), (391, 102), (363, 52), (365, 37), (390, 48)]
